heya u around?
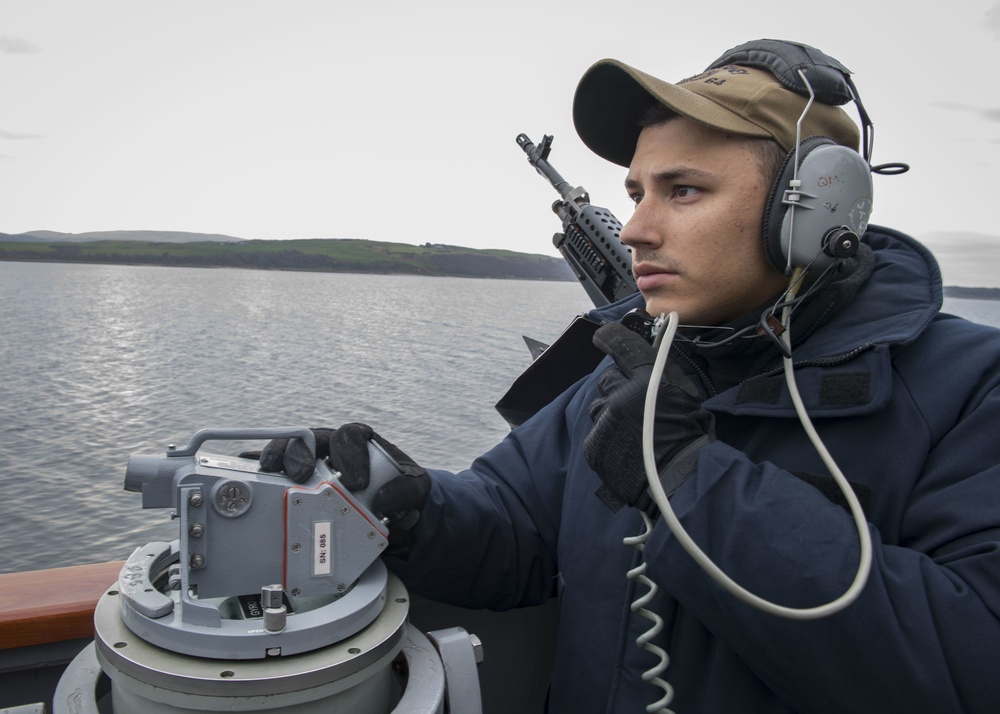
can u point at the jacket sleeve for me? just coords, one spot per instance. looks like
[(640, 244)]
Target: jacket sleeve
[(924, 635), (487, 536)]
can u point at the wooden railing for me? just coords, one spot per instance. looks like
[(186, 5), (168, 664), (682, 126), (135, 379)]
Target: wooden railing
[(43, 606)]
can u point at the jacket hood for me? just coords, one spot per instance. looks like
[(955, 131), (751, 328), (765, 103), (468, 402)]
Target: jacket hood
[(893, 308)]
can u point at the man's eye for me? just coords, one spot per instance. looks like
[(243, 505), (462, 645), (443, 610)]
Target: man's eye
[(635, 198), (684, 191)]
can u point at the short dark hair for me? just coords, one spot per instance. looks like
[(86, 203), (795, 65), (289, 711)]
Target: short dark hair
[(768, 152)]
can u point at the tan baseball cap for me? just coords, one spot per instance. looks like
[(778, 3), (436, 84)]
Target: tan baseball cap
[(736, 99)]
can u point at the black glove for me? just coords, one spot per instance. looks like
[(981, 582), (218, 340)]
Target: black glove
[(346, 450), (291, 456), (613, 448), (400, 498)]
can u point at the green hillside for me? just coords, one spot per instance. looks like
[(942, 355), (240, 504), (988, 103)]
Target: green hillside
[(321, 255)]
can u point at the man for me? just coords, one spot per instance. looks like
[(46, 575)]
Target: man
[(906, 399)]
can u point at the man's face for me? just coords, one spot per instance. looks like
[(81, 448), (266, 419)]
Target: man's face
[(696, 234)]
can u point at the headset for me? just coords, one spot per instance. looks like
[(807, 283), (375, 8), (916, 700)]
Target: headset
[(818, 207), (820, 202)]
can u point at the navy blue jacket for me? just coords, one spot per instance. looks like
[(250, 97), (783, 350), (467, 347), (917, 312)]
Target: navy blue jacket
[(908, 402)]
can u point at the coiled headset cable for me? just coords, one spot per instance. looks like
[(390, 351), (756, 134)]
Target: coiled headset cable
[(638, 575)]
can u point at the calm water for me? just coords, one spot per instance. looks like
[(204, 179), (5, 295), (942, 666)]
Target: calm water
[(99, 362)]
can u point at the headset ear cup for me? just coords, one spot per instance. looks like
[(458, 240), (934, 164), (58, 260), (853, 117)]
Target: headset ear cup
[(775, 210)]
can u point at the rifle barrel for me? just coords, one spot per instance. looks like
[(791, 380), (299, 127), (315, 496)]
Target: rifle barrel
[(537, 155)]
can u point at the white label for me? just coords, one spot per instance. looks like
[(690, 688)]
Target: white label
[(321, 548), (230, 464)]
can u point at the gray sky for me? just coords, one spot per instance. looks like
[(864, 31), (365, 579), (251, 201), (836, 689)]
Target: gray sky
[(395, 121)]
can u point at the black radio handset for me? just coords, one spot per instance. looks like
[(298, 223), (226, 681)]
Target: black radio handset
[(641, 323)]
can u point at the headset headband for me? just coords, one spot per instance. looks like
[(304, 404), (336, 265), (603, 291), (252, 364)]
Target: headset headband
[(827, 76), (830, 80)]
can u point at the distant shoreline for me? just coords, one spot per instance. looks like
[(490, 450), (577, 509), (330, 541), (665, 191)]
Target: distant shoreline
[(955, 291), (317, 255)]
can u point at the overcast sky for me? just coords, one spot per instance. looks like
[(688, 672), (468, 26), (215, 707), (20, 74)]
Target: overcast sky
[(395, 120)]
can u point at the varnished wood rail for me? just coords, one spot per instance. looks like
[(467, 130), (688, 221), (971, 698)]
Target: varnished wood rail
[(43, 606)]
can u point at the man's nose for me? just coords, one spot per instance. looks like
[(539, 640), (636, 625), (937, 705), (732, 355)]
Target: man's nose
[(639, 229)]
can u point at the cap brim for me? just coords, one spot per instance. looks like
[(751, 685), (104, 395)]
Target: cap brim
[(606, 110), (612, 96)]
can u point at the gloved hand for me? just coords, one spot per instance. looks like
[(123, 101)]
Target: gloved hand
[(346, 450), (292, 457), (613, 448), (399, 499)]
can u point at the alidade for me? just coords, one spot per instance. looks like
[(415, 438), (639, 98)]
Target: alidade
[(263, 566), (272, 598)]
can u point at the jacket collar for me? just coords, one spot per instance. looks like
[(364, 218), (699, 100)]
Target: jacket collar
[(844, 368), (893, 308)]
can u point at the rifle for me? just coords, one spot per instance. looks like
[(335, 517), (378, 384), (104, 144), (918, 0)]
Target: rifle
[(590, 240)]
